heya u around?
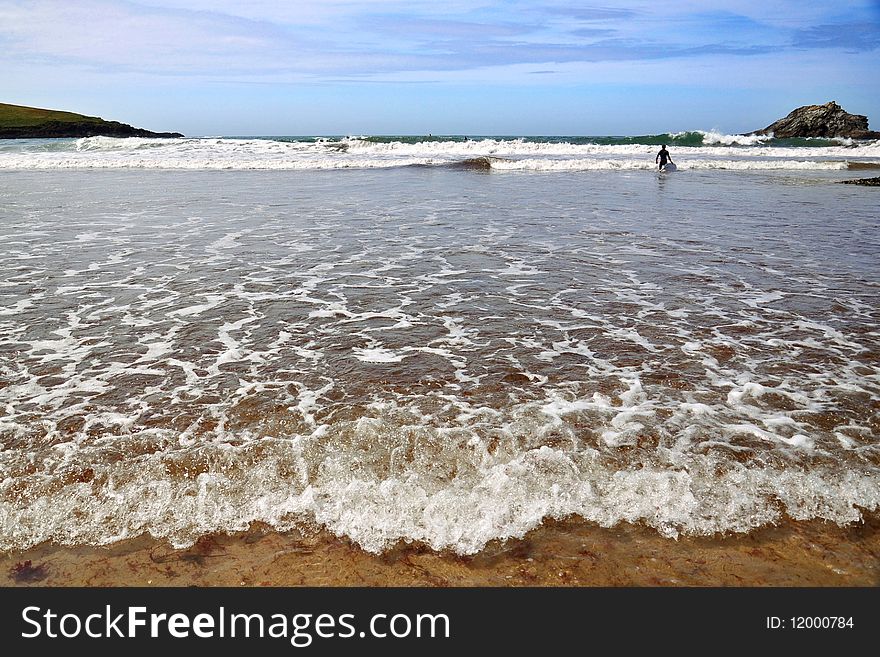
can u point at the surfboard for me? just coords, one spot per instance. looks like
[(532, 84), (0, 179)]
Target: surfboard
[(669, 166)]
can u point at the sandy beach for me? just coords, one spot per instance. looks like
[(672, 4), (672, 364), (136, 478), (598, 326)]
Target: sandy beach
[(562, 553)]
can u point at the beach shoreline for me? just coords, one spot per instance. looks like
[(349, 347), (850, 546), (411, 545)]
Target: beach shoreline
[(561, 553), (430, 355)]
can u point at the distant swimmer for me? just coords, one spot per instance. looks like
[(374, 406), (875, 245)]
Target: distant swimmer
[(663, 156)]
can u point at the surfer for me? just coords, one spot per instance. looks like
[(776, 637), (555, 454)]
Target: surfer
[(662, 157)]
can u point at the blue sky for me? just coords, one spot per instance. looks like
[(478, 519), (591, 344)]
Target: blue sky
[(542, 67)]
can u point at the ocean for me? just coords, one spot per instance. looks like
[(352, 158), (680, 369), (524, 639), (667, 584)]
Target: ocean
[(445, 341)]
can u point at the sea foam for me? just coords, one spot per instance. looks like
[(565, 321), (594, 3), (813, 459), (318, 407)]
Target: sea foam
[(428, 354), (717, 152)]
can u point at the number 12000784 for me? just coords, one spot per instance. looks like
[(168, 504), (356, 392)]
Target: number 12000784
[(810, 623)]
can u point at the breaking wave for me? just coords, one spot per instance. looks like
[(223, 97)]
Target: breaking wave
[(691, 150)]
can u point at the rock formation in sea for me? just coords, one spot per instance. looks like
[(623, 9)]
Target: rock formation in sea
[(828, 120), (867, 182)]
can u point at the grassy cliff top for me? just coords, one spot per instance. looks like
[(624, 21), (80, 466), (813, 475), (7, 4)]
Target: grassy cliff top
[(19, 122), (13, 116)]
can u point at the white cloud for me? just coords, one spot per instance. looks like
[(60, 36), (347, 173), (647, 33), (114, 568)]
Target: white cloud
[(263, 66), (314, 39)]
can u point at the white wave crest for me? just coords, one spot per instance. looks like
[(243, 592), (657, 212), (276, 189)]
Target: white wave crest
[(119, 143), (713, 137), (491, 498), (727, 152)]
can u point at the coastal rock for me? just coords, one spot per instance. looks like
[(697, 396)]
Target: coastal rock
[(52, 129), (867, 182), (828, 120)]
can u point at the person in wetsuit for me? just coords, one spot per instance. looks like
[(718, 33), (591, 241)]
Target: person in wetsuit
[(663, 156)]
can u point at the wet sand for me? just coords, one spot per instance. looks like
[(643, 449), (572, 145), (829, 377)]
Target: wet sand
[(560, 553)]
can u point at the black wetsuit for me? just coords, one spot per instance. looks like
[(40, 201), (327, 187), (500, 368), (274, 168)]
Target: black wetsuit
[(663, 155)]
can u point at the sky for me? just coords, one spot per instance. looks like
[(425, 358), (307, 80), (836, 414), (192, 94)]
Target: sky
[(397, 67)]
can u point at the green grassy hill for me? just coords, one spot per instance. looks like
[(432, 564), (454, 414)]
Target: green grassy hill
[(19, 122), (15, 116)]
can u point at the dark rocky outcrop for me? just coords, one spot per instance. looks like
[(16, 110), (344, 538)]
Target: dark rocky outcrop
[(828, 120), (867, 182), (52, 129)]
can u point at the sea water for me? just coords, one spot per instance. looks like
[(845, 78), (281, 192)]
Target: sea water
[(448, 341)]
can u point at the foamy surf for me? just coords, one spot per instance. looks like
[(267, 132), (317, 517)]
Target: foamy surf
[(713, 151), (180, 494), (421, 355)]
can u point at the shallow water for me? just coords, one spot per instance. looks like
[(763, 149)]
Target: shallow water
[(432, 354)]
